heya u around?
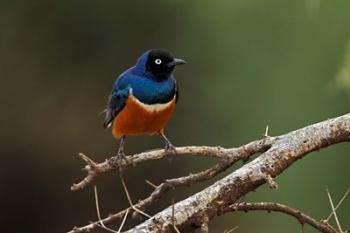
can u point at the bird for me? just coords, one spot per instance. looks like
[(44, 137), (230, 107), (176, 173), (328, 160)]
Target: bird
[(143, 99)]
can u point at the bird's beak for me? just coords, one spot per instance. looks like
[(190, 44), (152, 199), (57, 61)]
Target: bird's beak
[(176, 62), (179, 61)]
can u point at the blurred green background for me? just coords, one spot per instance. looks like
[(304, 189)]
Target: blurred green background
[(251, 63)]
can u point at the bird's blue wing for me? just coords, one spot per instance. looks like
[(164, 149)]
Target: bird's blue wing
[(176, 92), (116, 102)]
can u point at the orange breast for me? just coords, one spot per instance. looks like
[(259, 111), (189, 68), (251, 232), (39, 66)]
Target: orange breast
[(138, 118)]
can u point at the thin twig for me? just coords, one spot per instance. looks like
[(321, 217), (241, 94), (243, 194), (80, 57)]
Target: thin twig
[(271, 206), (151, 184), (123, 222), (333, 210), (129, 198), (106, 228), (97, 205), (107, 220), (232, 229), (173, 218), (89, 161), (339, 203), (100, 223)]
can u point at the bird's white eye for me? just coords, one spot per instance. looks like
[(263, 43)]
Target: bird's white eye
[(158, 61)]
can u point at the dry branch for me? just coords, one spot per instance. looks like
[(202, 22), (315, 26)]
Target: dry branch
[(278, 153), (285, 150), (227, 158), (93, 169), (270, 206)]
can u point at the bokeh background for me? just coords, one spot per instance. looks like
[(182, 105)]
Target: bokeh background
[(251, 63)]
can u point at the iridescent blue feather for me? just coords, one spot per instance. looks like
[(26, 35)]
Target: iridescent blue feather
[(145, 87)]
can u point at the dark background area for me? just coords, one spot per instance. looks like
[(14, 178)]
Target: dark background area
[(251, 63)]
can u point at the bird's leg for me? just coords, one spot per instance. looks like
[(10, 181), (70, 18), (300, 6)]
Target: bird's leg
[(169, 147), (121, 155)]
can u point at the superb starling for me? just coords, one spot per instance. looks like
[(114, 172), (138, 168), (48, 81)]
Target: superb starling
[(143, 98)]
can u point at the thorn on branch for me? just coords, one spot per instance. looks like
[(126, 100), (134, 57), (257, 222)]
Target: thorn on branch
[(89, 161), (266, 135), (151, 184)]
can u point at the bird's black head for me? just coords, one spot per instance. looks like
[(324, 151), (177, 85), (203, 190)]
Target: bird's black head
[(161, 62)]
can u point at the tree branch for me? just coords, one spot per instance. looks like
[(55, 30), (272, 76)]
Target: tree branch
[(228, 158), (285, 150), (278, 153), (93, 169), (270, 206)]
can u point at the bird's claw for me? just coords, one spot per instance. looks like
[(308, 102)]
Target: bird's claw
[(170, 151), (120, 160)]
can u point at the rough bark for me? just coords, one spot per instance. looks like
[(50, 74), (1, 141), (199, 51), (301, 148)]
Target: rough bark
[(212, 201)]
